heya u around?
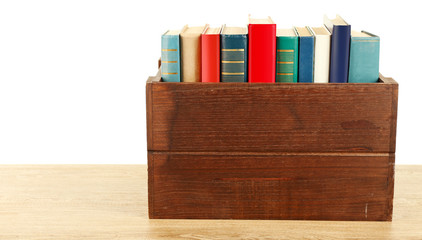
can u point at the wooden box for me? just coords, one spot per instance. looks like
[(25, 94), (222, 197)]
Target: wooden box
[(271, 150)]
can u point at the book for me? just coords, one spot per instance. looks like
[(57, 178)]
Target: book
[(210, 54), (287, 55), (190, 42), (170, 56), (322, 54), (364, 57), (339, 53), (262, 50), (306, 55), (234, 54)]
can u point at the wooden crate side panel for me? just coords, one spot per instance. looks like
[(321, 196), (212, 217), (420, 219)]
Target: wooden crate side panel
[(272, 117), (151, 185), (393, 117), (271, 186), (149, 107), (150, 114), (390, 185)]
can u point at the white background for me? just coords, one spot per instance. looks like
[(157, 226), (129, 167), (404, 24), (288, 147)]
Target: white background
[(72, 73)]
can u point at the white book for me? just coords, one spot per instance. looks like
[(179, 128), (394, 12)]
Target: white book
[(321, 54)]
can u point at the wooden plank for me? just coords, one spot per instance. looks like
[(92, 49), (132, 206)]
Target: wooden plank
[(393, 112), (387, 80), (390, 186), (96, 202), (273, 117), (270, 186), (151, 185), (150, 113)]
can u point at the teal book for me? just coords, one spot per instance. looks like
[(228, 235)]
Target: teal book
[(287, 55), (364, 57), (170, 56), (234, 54)]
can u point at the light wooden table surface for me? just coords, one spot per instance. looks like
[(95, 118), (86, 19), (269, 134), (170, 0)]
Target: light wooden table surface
[(110, 202)]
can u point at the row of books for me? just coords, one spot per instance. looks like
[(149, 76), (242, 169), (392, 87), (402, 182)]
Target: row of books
[(261, 53)]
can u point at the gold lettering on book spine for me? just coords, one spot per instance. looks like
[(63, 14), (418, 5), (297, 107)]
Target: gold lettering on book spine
[(236, 73), (233, 50), (233, 61)]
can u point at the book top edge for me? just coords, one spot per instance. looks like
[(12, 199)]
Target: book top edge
[(289, 32), (267, 20)]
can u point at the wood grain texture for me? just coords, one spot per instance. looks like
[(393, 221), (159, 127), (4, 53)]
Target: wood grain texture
[(279, 117), (271, 186), (272, 151), (97, 202)]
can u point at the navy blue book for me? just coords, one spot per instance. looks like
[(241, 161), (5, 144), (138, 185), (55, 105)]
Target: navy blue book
[(306, 55), (234, 54), (340, 45)]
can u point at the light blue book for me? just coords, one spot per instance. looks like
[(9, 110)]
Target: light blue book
[(170, 56), (364, 57)]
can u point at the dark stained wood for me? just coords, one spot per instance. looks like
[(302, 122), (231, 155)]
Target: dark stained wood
[(149, 106), (393, 117), (271, 186), (150, 186), (272, 117), (271, 151), (148, 94), (390, 184)]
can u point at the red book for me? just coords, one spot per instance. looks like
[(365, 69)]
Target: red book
[(210, 51), (262, 50)]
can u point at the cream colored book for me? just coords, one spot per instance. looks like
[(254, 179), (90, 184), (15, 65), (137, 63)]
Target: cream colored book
[(190, 42), (322, 54)]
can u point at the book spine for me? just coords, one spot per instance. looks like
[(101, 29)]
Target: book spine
[(287, 59), (339, 60), (210, 46), (322, 58), (234, 58), (306, 59), (170, 58), (262, 52), (191, 58), (364, 59)]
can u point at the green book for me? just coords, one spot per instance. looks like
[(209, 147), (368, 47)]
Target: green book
[(287, 55)]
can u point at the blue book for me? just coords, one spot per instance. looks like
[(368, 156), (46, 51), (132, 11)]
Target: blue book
[(170, 56), (306, 55), (339, 53), (364, 57), (234, 54)]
